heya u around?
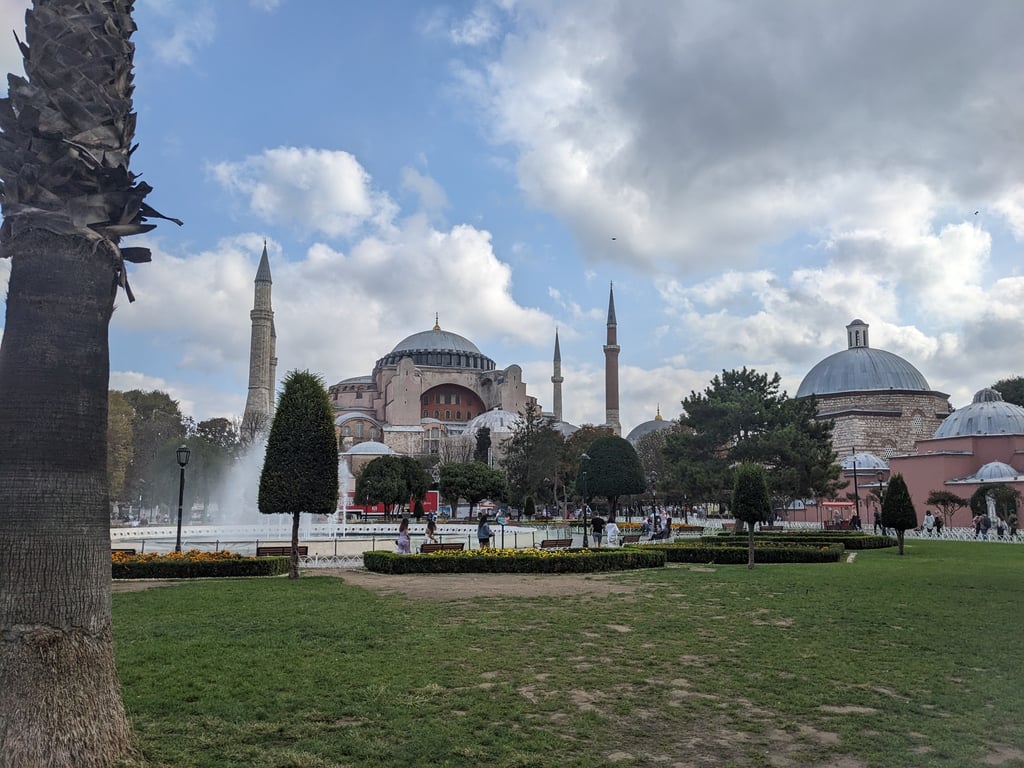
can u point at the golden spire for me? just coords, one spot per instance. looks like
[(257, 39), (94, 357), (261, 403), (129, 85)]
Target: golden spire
[(658, 417), (437, 325)]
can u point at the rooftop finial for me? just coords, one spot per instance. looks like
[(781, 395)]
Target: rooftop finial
[(437, 325), (658, 416)]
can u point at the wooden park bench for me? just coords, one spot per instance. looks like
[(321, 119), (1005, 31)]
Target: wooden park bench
[(122, 551), (631, 538), (445, 546), (556, 543), (280, 551)]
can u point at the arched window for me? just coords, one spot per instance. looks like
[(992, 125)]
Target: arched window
[(437, 414), (346, 431), (447, 415), (359, 429), (458, 415)]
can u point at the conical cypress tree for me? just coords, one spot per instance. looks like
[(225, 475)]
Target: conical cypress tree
[(898, 509)]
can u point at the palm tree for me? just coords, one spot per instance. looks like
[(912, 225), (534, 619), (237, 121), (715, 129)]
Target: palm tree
[(66, 134)]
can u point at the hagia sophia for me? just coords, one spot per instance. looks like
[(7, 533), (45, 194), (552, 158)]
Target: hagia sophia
[(436, 387)]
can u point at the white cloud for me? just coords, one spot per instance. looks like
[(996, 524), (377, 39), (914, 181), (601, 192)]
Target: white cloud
[(315, 189), (181, 30), (432, 199), (478, 27)]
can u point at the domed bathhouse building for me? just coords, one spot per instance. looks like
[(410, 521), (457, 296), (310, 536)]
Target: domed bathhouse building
[(879, 402), (980, 444), (429, 387)]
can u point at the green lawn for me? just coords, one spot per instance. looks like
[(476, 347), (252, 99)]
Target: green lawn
[(885, 661)]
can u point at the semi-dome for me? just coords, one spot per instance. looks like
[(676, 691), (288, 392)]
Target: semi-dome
[(496, 421), (859, 368), (438, 349), (989, 414)]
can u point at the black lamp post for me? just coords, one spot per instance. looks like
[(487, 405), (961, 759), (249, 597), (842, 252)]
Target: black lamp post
[(856, 490), (182, 455), (586, 541), (652, 478)]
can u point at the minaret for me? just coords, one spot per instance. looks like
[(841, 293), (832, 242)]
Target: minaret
[(611, 369), (262, 349), (556, 382)]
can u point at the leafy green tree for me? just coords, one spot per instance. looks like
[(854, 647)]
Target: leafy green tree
[(750, 501), (473, 482), (1004, 497), (948, 504), (67, 134), (382, 481), (1011, 389), (613, 470), (898, 509), (743, 417), (300, 470), (119, 443), (157, 425), (533, 449)]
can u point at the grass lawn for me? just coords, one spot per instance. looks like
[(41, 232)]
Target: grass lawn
[(885, 661)]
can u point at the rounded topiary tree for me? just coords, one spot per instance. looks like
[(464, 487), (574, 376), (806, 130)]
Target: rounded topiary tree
[(750, 501), (300, 470), (898, 509)]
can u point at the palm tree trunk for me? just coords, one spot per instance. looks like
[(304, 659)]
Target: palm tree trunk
[(61, 701)]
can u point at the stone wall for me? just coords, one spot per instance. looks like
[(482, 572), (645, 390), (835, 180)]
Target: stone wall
[(885, 423)]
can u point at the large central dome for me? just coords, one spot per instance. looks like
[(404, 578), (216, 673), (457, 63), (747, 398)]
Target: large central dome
[(861, 369), (439, 349)]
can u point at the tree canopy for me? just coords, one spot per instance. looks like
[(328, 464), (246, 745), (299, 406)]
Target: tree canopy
[(750, 501), (392, 481), (300, 469), (898, 509), (948, 503), (613, 470), (473, 482), (1012, 389), (532, 456), (743, 417)]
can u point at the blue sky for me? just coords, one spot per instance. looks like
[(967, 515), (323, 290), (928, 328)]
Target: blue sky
[(752, 176)]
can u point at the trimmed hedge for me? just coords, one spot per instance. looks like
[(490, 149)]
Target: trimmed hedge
[(515, 561), (199, 569), (849, 539), (733, 554)]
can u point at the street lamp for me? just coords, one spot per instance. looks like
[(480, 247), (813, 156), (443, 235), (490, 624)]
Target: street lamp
[(182, 455), (856, 491), (586, 541), (652, 478)]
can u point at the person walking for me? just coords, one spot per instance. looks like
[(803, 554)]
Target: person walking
[(597, 529), (929, 522), (483, 532), (402, 542)]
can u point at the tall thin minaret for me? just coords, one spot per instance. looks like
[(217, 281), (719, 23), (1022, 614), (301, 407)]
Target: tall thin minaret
[(611, 369), (556, 382), (262, 348)]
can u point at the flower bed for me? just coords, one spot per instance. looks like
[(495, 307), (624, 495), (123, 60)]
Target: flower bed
[(721, 553), (193, 565), (515, 561)]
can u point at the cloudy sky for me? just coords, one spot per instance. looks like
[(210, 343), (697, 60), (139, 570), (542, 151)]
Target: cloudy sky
[(751, 176)]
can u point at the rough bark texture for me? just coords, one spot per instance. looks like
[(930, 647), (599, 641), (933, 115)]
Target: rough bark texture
[(66, 133), (61, 703)]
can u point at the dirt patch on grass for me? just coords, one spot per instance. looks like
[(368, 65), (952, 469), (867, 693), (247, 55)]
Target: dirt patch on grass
[(449, 587)]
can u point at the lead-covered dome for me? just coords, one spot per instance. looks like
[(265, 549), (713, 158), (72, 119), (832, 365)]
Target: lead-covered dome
[(989, 414), (861, 369), (495, 420), (439, 349)]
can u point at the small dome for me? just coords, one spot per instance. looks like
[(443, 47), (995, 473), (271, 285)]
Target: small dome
[(989, 414), (369, 448), (996, 470), (863, 462), (654, 425), (862, 369), (346, 417), (564, 428), (859, 368), (496, 421)]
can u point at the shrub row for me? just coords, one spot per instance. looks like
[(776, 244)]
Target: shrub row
[(515, 561), (730, 554), (849, 539), (181, 568)]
